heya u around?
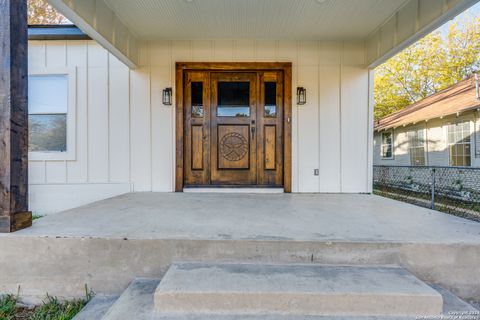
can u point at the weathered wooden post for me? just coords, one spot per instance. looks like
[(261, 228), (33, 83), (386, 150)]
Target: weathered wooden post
[(14, 214)]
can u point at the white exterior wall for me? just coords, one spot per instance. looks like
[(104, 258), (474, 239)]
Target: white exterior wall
[(101, 166), (125, 135), (437, 153)]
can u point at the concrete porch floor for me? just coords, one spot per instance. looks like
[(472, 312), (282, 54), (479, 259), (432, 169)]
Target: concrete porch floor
[(109, 243), (302, 217)]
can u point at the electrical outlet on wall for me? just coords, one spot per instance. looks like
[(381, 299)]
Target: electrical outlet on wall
[(316, 172)]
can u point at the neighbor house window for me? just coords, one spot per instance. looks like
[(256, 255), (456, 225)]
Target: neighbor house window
[(387, 145), (50, 116), (459, 141), (416, 147)]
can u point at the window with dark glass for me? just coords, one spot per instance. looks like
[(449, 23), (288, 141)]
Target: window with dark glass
[(233, 99), (197, 100), (270, 99)]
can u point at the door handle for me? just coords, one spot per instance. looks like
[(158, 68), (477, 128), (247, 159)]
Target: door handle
[(253, 132)]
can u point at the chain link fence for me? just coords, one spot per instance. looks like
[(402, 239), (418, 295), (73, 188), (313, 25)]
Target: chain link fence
[(454, 190)]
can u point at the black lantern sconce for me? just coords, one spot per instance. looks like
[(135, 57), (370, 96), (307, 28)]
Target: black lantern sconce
[(167, 96), (301, 95)]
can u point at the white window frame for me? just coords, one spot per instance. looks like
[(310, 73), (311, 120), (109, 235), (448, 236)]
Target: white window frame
[(70, 153), (472, 138), (476, 134), (425, 151), (392, 145)]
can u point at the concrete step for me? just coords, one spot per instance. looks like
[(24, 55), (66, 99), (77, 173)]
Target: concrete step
[(253, 289), (96, 308), (454, 305), (136, 302), (274, 317)]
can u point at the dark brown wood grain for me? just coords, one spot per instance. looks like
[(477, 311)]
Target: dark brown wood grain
[(179, 132), (287, 128), (196, 132), (233, 66), (271, 174), (197, 147), (270, 146), (243, 171), (262, 154), (14, 214)]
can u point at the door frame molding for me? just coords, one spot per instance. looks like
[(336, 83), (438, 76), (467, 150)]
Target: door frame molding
[(286, 67)]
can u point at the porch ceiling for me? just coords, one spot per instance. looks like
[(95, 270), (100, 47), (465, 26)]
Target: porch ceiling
[(386, 26), (278, 19)]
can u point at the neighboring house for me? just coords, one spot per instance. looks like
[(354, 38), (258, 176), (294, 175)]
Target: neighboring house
[(440, 130)]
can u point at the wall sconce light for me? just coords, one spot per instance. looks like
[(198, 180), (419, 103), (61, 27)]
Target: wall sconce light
[(167, 96), (301, 95)]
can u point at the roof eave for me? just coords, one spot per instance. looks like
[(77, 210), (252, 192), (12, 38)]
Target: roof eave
[(394, 126), (56, 32)]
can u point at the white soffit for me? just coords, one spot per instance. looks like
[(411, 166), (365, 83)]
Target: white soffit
[(387, 26), (97, 20), (253, 19), (412, 22)]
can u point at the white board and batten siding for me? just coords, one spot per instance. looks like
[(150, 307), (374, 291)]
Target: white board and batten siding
[(125, 136), (101, 166)]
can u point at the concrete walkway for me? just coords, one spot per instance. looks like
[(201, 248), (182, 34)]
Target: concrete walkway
[(297, 217)]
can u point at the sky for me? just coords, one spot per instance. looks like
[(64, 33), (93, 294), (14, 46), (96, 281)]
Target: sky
[(473, 11)]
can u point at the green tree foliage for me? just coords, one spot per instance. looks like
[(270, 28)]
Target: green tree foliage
[(40, 12), (432, 64)]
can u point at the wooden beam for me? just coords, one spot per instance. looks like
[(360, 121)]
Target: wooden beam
[(14, 214)]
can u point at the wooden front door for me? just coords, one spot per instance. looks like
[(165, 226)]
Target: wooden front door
[(233, 128), (233, 137)]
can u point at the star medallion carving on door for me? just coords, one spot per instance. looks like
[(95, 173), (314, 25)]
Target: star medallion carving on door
[(233, 146)]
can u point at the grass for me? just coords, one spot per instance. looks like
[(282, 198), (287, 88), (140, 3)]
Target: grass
[(8, 307), (35, 217), (54, 309), (51, 308)]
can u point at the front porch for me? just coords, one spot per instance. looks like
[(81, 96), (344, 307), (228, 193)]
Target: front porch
[(287, 217), (108, 243)]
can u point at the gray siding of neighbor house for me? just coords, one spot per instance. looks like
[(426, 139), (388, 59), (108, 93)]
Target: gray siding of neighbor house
[(437, 153)]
